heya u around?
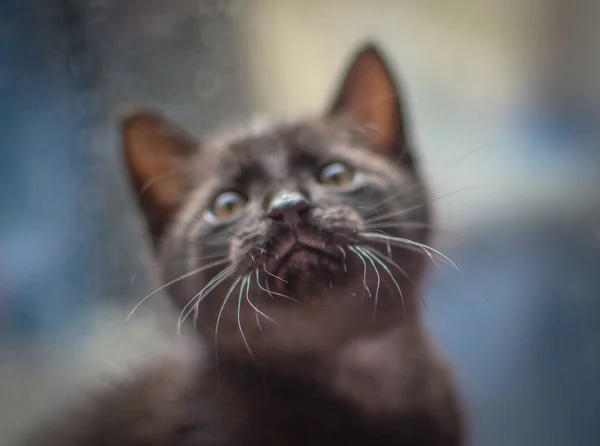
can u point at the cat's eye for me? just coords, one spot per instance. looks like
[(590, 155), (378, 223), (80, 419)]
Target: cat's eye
[(227, 206), (336, 174)]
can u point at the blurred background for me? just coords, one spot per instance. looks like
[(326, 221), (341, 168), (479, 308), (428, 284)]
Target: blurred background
[(504, 99)]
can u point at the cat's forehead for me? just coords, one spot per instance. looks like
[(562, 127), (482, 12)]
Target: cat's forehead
[(275, 148)]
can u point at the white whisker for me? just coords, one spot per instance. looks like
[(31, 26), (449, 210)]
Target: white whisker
[(273, 275), (370, 259), (380, 258), (386, 239), (231, 288), (254, 307), (188, 259), (387, 270), (361, 257), (272, 293), (471, 239), (174, 281), (340, 247), (195, 301), (404, 242), (245, 283), (404, 211), (436, 176)]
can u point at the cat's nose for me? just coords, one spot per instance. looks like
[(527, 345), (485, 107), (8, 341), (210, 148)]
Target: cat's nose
[(290, 208)]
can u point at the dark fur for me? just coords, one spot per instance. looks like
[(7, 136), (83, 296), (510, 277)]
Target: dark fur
[(334, 368)]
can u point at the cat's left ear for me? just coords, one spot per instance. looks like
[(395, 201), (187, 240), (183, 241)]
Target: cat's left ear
[(370, 96)]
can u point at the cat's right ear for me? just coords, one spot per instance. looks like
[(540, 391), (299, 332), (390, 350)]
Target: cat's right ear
[(157, 155)]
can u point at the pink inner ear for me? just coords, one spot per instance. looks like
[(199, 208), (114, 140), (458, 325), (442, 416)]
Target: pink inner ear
[(369, 94), (157, 154)]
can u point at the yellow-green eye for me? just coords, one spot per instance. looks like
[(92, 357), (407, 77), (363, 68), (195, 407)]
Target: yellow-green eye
[(228, 206), (336, 174)]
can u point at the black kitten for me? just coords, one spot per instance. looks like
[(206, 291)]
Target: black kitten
[(298, 250)]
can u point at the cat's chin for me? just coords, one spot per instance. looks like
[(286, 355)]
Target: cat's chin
[(310, 267)]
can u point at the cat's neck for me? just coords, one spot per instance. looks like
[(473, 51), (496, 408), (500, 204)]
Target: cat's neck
[(351, 369), (349, 393)]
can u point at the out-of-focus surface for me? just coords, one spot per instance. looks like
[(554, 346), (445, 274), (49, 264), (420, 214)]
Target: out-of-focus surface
[(504, 101)]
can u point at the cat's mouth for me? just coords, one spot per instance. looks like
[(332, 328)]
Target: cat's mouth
[(303, 257)]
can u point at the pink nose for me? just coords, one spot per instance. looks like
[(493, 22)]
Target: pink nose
[(289, 207)]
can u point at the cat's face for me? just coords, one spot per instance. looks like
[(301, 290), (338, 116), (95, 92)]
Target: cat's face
[(294, 232)]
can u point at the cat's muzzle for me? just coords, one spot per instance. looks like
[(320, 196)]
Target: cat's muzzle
[(302, 254)]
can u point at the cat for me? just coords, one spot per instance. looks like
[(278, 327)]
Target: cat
[(297, 250)]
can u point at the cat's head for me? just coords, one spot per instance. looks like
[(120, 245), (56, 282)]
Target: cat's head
[(297, 232)]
